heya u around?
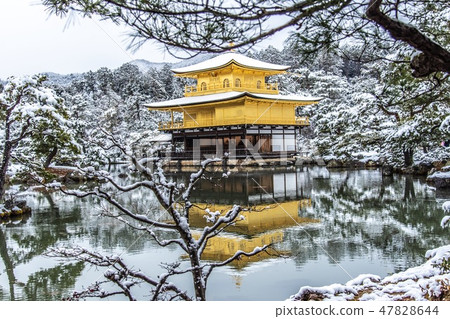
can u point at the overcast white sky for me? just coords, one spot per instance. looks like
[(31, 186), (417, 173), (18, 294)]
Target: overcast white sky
[(31, 41)]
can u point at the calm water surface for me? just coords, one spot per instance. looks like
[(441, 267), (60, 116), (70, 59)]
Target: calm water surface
[(328, 225)]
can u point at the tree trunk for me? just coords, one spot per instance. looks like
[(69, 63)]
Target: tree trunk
[(50, 156), (9, 265), (4, 167), (409, 188), (197, 276), (408, 156), (197, 272)]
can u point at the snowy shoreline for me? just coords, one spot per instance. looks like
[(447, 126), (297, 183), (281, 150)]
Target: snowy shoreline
[(429, 281)]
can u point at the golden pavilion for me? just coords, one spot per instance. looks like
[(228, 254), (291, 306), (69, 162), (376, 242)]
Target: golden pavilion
[(232, 108)]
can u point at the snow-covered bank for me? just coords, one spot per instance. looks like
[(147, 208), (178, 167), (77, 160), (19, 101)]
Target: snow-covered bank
[(441, 179), (446, 219), (429, 281), (13, 208)]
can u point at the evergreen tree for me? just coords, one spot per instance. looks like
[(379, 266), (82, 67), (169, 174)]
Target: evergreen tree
[(34, 120)]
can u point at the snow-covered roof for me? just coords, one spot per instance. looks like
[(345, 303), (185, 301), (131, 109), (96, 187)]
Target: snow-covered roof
[(202, 99), (162, 138), (228, 58)]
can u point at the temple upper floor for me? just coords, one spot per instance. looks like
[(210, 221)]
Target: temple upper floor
[(230, 72)]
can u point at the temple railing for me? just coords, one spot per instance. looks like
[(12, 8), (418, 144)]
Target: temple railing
[(236, 154), (192, 90), (302, 120), (163, 126), (170, 125)]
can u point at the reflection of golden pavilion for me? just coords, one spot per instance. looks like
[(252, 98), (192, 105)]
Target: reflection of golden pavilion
[(250, 188), (271, 201), (264, 223), (221, 248), (257, 219)]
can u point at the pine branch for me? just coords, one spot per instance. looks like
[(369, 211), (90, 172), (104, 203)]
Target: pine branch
[(434, 57)]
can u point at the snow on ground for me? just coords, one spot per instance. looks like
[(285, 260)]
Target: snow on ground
[(446, 220), (429, 281), (367, 156), (63, 167), (446, 207), (440, 174)]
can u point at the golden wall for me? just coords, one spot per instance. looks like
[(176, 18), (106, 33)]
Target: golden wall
[(241, 111), (232, 78)]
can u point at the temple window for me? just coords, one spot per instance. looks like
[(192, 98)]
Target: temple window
[(258, 84)]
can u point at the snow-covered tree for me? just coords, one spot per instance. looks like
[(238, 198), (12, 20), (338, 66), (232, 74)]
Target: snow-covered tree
[(34, 119), (412, 109), (112, 100), (380, 109)]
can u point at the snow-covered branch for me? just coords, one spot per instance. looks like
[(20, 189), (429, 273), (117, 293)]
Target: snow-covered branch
[(175, 200), (433, 57), (196, 176), (211, 231), (155, 181), (119, 273), (148, 229), (210, 267), (99, 193)]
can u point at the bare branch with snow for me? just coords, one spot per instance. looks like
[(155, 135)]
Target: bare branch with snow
[(120, 274), (175, 200)]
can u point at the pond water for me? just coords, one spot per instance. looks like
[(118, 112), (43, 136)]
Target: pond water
[(326, 226)]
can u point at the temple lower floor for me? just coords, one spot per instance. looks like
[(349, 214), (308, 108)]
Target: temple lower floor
[(234, 141)]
